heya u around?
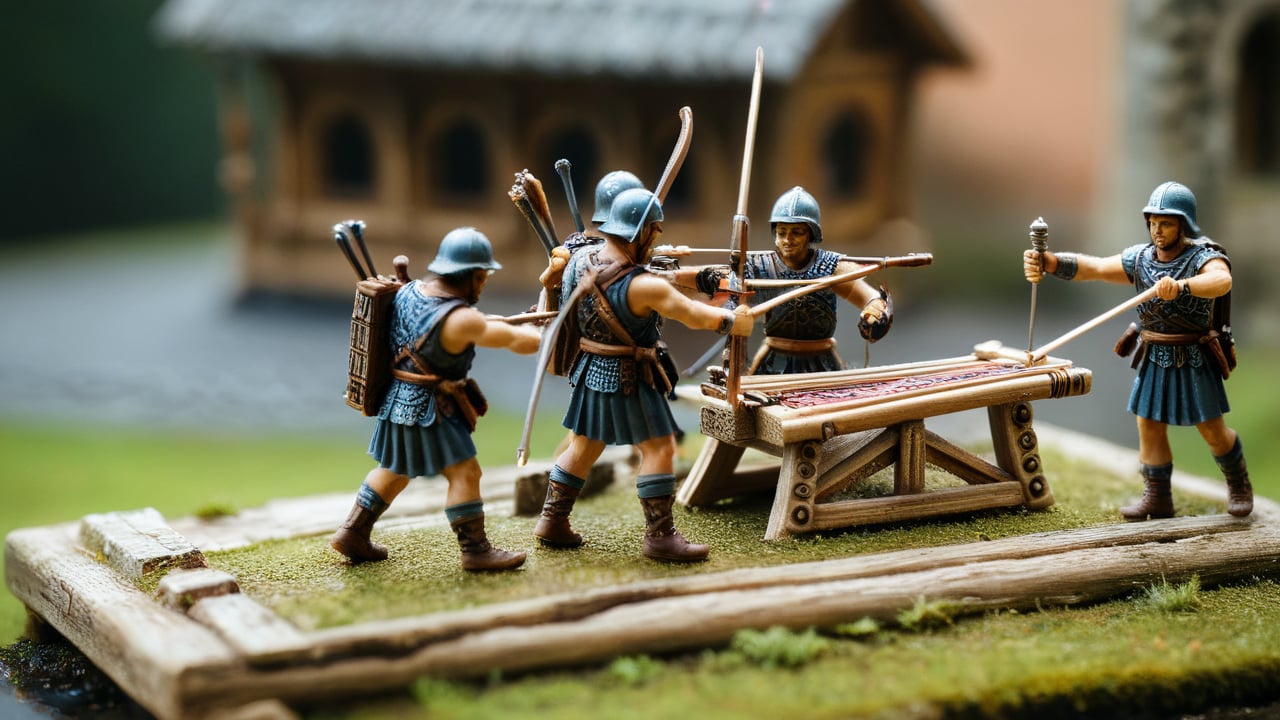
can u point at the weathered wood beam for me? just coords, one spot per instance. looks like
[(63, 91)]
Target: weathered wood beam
[(407, 632), (152, 652), (707, 620)]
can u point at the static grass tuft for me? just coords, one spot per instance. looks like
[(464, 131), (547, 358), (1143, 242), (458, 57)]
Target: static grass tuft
[(929, 614), (634, 669), (864, 628), (1170, 598), (780, 647)]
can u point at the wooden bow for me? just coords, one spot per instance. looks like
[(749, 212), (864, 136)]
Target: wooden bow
[(737, 360)]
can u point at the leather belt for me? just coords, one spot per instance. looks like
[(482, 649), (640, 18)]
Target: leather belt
[(1159, 338), (632, 351), (800, 347)]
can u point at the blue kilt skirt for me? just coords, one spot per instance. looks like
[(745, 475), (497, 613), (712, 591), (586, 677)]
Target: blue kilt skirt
[(1186, 395), (619, 419), (416, 451)]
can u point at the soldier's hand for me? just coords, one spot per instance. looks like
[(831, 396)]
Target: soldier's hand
[(873, 311), (708, 279), (1167, 288), (876, 317), (1034, 265), (555, 267), (743, 321)]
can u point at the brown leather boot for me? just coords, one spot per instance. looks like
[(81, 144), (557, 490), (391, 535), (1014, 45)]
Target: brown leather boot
[(352, 539), (1239, 491), (1157, 498), (661, 539), (477, 552), (1236, 472), (1239, 495), (553, 528)]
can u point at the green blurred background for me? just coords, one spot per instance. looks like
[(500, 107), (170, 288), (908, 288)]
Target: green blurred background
[(102, 126)]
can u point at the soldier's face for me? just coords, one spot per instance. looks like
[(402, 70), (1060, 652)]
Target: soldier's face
[(792, 241), (1165, 231), (478, 280)]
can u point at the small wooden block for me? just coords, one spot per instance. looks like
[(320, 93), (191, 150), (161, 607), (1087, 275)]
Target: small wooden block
[(255, 632), (531, 487), (138, 542), (531, 490), (183, 588)]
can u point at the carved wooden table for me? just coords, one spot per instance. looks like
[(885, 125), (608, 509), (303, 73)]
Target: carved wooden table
[(833, 429)]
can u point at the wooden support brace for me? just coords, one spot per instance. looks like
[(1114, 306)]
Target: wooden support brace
[(711, 477)]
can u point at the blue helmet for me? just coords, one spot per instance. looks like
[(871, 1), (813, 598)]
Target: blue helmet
[(609, 187), (632, 209), (798, 206), (1173, 198), (462, 249)]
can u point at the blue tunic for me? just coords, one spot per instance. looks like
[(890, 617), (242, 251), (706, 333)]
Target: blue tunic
[(610, 401), (1176, 384), (810, 317), (415, 435)]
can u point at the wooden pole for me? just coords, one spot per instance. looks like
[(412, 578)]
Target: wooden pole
[(913, 260), (1134, 302), (525, 317)]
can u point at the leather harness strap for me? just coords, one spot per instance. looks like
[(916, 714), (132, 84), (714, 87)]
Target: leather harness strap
[(1159, 338), (800, 346)]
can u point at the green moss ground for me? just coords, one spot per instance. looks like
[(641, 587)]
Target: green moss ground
[(306, 582)]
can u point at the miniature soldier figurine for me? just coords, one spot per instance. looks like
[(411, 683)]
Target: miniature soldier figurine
[(619, 380), (800, 334), (608, 188), (1182, 359), (425, 423)]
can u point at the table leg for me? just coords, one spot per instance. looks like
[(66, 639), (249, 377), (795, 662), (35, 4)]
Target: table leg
[(711, 477), (1018, 451), (797, 490)]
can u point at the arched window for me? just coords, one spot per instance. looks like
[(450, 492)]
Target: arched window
[(846, 149), (578, 146), (1258, 100), (459, 165), (348, 158)]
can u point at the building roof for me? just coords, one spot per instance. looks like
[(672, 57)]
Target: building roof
[(669, 39)]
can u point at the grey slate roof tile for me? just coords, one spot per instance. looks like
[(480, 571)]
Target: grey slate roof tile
[(673, 39)]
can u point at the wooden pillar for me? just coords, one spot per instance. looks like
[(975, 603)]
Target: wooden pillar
[(908, 473)]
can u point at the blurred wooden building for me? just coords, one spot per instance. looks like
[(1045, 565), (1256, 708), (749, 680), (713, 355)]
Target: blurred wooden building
[(414, 116)]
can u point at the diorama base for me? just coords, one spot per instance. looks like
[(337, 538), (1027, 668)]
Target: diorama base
[(198, 647)]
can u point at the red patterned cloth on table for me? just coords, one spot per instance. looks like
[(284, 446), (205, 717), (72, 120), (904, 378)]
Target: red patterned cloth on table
[(886, 388)]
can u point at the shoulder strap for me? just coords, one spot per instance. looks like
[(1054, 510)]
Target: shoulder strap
[(606, 311), (410, 350)]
